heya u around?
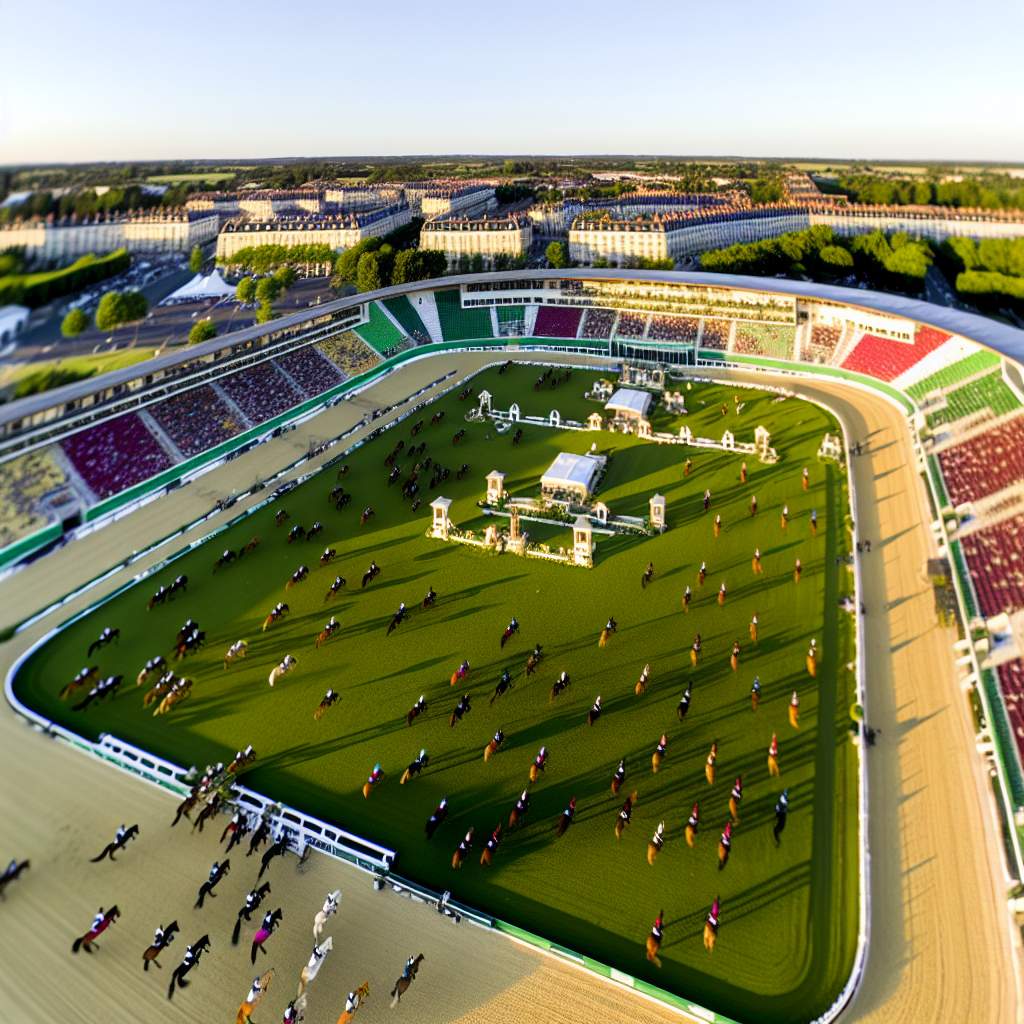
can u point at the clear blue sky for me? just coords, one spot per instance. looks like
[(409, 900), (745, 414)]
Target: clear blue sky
[(874, 79)]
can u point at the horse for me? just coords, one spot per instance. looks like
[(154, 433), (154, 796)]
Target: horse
[(370, 575), (403, 983), (315, 530), (709, 765), (734, 799), (159, 597), (415, 711), (625, 814), (157, 664), (517, 437), (724, 846), (312, 968), (276, 849), (298, 576), (490, 847), (339, 582), (415, 767), (186, 805), (236, 652), (641, 685), (504, 685), (360, 995), (459, 710), (150, 954), (206, 889), (366, 515), (297, 532), (560, 684), (343, 502), (460, 673), (281, 516), (265, 930), (116, 844), (240, 763), (773, 756), (248, 547), (654, 939), (462, 849), (179, 691), (327, 632), (333, 899), (692, 823), (619, 777), (539, 763), (655, 843), (108, 636), (533, 661), (437, 818), (429, 598), (85, 677), (160, 690), (211, 808), (280, 671), (329, 699), (257, 992), (375, 779), (342, 471), (226, 558), (734, 658), (252, 903), (595, 711), (191, 959), (437, 417), (416, 428), (565, 818), (684, 704), (510, 630), (103, 689), (648, 575), (659, 754), (11, 873), (328, 556), (711, 926), (494, 746), (88, 940)]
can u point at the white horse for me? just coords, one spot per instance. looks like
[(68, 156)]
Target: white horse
[(316, 959), (282, 670), (330, 907), (235, 652)]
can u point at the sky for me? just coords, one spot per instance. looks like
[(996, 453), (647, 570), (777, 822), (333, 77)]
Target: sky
[(880, 79)]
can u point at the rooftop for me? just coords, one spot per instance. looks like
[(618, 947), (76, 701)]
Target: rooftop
[(570, 470), (629, 400)]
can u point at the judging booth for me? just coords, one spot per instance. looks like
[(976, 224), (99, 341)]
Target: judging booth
[(572, 477), (630, 405)]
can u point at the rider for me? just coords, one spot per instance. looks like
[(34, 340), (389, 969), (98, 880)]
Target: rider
[(611, 625), (98, 919), (255, 992), (215, 870), (407, 969), (160, 937), (331, 903), (351, 1002), (291, 1015), (120, 834)]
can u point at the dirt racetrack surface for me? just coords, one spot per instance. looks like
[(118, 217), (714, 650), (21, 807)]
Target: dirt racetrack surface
[(940, 946)]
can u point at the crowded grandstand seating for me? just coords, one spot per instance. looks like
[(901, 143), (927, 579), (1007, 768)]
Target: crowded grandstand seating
[(260, 392), (986, 463), (511, 320), (404, 312), (23, 482), (948, 376), (822, 343), (311, 371), (557, 322), (887, 359), (116, 454), (381, 334), (716, 334), (1011, 682), (458, 324), (631, 325), (598, 323), (196, 419), (673, 328), (349, 353), (772, 340), (985, 394), (995, 558)]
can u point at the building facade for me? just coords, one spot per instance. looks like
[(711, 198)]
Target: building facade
[(67, 238), (463, 236)]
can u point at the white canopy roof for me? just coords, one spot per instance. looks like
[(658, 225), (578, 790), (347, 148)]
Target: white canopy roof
[(213, 286), (572, 471), (629, 400)]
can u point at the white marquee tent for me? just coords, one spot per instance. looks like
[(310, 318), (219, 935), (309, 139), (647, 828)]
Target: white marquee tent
[(213, 286)]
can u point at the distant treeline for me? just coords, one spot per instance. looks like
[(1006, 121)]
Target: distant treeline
[(988, 191), (34, 290), (989, 273)]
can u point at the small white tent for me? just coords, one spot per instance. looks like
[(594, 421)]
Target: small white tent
[(213, 286)]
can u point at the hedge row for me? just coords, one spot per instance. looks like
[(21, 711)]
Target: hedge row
[(34, 290)]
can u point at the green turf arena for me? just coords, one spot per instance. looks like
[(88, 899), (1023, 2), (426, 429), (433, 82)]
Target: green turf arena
[(789, 916)]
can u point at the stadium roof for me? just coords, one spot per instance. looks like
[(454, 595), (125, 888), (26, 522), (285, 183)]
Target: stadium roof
[(570, 470), (629, 400), (1001, 337)]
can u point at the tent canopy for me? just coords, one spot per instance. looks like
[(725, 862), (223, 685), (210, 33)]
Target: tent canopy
[(572, 472), (630, 402), (213, 286)]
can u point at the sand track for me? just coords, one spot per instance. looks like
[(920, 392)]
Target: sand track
[(940, 947)]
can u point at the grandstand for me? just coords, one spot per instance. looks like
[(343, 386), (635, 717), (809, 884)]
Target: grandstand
[(598, 323), (309, 370), (673, 328), (988, 394), (557, 322), (1011, 683), (261, 392), (349, 353), (950, 376), (115, 454), (511, 320), (402, 310), (886, 359), (821, 345), (986, 463), (196, 419), (458, 324), (995, 558), (716, 334), (380, 333), (631, 326), (24, 483), (772, 340)]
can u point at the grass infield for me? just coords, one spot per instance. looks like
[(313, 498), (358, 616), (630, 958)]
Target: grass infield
[(789, 915)]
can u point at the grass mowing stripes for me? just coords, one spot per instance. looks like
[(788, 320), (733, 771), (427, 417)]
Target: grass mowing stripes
[(789, 915)]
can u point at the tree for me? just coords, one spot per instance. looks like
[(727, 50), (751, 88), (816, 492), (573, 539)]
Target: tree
[(264, 313), (202, 330), (74, 323), (111, 311), (195, 259), (557, 255), (368, 272), (135, 306), (285, 277), (347, 264), (245, 290), (267, 290), (835, 257)]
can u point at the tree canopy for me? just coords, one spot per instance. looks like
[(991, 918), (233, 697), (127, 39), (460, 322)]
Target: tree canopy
[(202, 330), (195, 259), (116, 308), (76, 321)]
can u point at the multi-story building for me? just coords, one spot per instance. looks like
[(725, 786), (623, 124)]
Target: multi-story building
[(260, 204), (66, 238), (928, 222), (468, 200), (481, 236), (340, 231), (362, 197)]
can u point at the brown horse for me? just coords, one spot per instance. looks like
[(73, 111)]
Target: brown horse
[(462, 849), (659, 754), (711, 926), (625, 814), (152, 952), (490, 848), (641, 684), (360, 997), (494, 746), (656, 842), (692, 823), (709, 765), (725, 846), (175, 697), (654, 939), (403, 983), (85, 678), (88, 940)]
